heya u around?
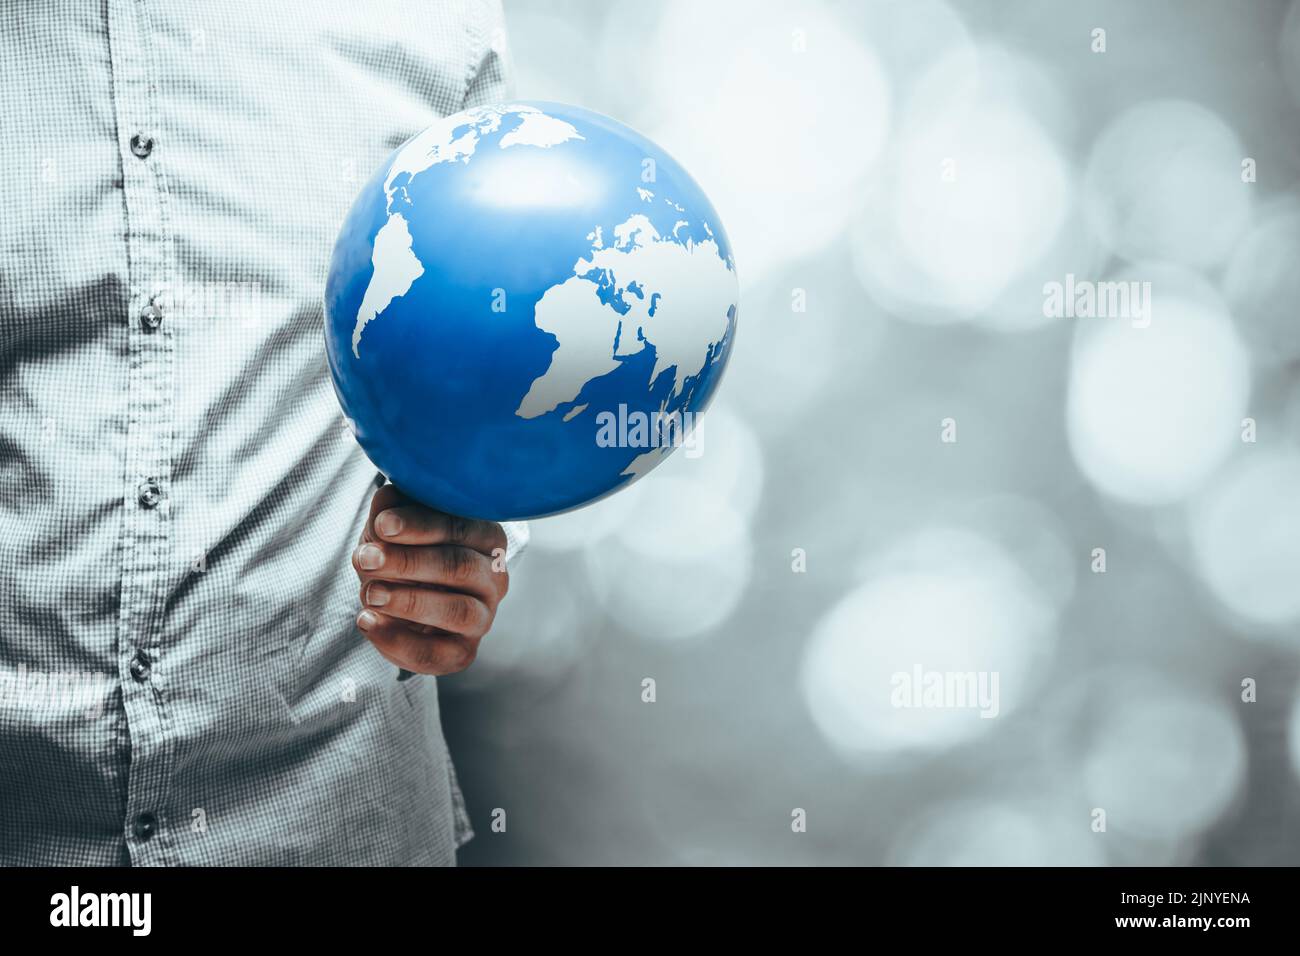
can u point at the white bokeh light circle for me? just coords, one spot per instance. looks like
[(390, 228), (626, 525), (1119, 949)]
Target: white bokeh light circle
[(722, 457), (1027, 531), (1245, 531), (944, 600), (1152, 411), (726, 460), (785, 131), (1163, 182), (1007, 199), (991, 833), (575, 530), (803, 330), (678, 563), (1262, 283), (1163, 761), (920, 32), (561, 73), (538, 631), (974, 197)]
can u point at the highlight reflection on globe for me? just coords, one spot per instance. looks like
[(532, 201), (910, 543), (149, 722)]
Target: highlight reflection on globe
[(528, 307)]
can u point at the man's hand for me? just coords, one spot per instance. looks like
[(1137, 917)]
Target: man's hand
[(430, 583)]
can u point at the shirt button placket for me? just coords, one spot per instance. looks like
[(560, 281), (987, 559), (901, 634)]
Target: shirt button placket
[(146, 549)]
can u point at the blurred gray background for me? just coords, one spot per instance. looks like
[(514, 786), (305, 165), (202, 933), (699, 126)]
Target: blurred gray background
[(903, 182)]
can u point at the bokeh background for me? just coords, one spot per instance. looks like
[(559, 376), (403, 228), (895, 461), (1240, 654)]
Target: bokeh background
[(900, 180)]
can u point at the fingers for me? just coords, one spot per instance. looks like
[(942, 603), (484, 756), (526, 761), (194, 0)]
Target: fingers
[(407, 646), (449, 566), (386, 497), (429, 587), (448, 611), (417, 525)]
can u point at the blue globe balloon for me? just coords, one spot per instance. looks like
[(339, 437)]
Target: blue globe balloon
[(528, 307)]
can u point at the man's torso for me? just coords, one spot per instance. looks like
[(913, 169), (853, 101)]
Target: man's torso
[(178, 500)]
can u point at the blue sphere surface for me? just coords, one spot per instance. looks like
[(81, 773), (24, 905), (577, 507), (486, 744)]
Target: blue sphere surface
[(527, 308)]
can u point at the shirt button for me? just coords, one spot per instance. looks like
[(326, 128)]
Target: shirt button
[(141, 145), (141, 666), (145, 824), (151, 316), (149, 493)]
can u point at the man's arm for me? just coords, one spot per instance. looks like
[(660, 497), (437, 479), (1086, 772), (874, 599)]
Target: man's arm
[(431, 582)]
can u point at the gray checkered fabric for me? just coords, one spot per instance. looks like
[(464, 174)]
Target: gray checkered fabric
[(181, 680)]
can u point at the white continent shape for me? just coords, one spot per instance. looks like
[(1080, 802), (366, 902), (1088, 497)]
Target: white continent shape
[(690, 287), (395, 265)]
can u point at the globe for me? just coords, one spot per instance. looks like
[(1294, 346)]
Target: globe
[(528, 307)]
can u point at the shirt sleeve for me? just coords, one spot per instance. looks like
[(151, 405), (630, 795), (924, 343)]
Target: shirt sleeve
[(493, 79)]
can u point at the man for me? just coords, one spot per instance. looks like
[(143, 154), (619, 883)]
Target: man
[(186, 675)]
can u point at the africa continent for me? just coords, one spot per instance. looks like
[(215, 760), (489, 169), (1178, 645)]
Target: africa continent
[(656, 278)]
